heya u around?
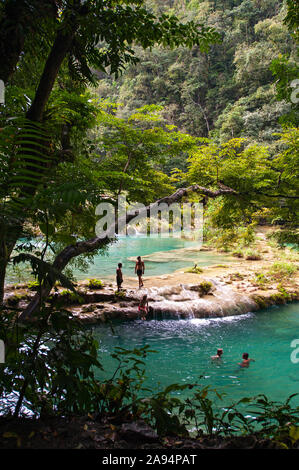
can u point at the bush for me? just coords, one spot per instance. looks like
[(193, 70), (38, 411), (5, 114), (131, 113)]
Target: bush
[(252, 255), (49, 365), (33, 285), (281, 270), (260, 279), (69, 297), (238, 253), (286, 237), (236, 277), (205, 287), (194, 270), (120, 294), (95, 284)]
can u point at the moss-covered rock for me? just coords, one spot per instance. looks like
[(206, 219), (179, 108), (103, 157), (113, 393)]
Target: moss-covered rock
[(262, 302), (95, 284), (14, 299), (203, 288)]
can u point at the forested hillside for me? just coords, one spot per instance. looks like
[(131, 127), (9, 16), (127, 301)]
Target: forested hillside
[(225, 93)]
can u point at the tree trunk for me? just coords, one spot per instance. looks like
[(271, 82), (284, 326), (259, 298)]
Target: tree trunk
[(3, 265), (17, 22), (58, 53)]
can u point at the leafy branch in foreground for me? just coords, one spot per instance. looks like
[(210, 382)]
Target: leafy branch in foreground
[(43, 271), (52, 369)]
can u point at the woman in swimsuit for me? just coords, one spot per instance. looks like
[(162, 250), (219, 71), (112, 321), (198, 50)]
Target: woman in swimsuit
[(139, 270)]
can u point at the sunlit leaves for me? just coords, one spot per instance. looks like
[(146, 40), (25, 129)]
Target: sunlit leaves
[(261, 179)]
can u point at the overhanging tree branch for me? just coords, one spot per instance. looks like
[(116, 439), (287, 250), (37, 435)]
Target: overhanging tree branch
[(88, 246)]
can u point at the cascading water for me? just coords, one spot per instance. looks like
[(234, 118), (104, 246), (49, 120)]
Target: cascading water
[(187, 301)]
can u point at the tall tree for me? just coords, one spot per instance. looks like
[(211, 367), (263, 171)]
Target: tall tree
[(85, 37)]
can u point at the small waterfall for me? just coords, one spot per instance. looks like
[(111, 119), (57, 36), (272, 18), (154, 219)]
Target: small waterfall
[(186, 301), (175, 301)]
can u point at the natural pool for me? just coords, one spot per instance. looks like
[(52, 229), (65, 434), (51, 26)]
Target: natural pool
[(184, 348), (162, 256)]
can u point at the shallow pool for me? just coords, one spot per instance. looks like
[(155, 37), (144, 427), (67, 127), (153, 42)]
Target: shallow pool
[(162, 256), (184, 348)]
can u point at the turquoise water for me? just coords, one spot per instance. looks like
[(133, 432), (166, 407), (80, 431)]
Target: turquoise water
[(184, 348), (162, 256)]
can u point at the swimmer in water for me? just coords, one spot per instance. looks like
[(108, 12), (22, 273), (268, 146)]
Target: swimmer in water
[(246, 361), (218, 355)]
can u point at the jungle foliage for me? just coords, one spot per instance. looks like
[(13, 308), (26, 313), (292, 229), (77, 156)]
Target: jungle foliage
[(199, 107)]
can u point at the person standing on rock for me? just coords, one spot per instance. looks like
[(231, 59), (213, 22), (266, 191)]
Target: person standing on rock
[(139, 270), (119, 277)]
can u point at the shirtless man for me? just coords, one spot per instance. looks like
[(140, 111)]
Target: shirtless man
[(139, 270), (143, 307), (218, 355), (246, 361)]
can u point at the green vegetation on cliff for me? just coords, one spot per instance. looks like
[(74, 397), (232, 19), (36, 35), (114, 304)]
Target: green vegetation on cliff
[(227, 92)]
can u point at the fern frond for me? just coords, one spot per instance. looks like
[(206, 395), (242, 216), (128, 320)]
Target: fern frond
[(32, 157)]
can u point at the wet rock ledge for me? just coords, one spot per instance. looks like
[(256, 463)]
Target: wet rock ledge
[(205, 297)]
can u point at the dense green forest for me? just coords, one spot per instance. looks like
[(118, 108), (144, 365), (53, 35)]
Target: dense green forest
[(226, 93)]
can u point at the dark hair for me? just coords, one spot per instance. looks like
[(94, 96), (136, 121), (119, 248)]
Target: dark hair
[(220, 350), (245, 356), (119, 265), (138, 257)]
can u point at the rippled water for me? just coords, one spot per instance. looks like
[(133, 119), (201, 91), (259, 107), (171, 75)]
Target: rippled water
[(184, 348)]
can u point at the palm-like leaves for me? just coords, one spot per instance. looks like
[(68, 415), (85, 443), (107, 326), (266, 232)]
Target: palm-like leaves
[(43, 270)]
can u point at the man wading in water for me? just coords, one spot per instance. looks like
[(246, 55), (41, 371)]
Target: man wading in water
[(246, 361), (139, 270), (218, 355)]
